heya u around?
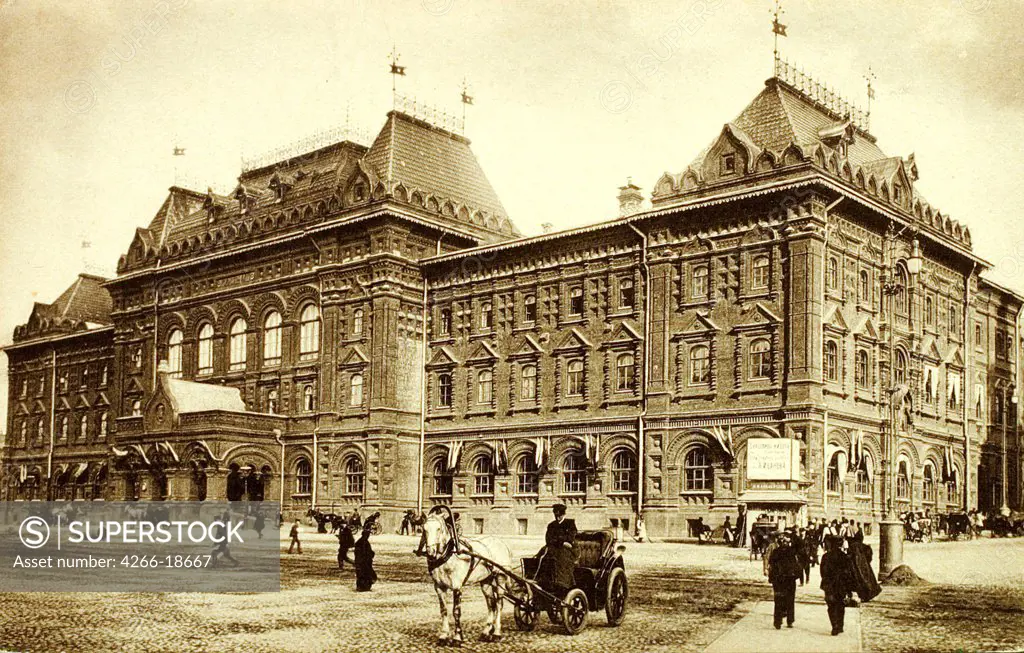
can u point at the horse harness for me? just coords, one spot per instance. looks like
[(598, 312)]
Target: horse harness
[(452, 548)]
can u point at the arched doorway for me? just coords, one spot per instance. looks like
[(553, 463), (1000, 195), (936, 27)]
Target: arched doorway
[(256, 482), (160, 485), (236, 483), (198, 481), (131, 485)]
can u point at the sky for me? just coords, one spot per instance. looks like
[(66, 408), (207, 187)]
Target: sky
[(571, 99)]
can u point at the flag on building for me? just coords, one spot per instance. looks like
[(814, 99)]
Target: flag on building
[(454, 455), (724, 438)]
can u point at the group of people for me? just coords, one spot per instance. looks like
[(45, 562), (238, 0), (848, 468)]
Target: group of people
[(845, 567), (366, 576)]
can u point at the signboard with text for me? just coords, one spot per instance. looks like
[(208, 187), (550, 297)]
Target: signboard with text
[(773, 459)]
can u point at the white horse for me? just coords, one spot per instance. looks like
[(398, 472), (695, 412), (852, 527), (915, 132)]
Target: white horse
[(452, 569)]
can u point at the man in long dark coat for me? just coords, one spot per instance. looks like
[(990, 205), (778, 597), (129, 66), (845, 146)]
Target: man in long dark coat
[(559, 561), (365, 575), (345, 542), (783, 572), (864, 582), (837, 580)]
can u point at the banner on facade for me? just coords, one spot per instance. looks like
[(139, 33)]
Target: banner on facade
[(158, 546), (773, 459)]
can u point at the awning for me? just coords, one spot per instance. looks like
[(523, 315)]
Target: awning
[(771, 496)]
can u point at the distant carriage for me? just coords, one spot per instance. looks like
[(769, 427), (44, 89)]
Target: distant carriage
[(760, 535), (958, 525)]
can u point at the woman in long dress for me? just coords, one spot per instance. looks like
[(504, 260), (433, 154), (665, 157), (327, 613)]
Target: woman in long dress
[(365, 575)]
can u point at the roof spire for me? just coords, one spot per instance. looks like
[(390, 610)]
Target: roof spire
[(870, 78), (396, 71), (467, 100), (778, 29)]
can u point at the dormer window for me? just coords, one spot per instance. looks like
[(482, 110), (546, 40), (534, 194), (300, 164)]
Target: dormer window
[(729, 163), (359, 192), (897, 194)]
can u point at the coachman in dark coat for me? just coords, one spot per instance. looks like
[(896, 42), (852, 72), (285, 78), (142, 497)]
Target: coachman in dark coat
[(559, 560)]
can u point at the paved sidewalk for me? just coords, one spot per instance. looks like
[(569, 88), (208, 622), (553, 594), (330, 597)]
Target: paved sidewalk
[(810, 632)]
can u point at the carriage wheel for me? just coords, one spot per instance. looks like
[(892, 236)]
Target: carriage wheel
[(618, 592), (574, 611), (526, 617)]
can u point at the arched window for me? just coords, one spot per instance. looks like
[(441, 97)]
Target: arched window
[(442, 478), (444, 390), (486, 316), (833, 273), (83, 426), (574, 474), (997, 414), (759, 276), (63, 433), (576, 301), (484, 386), (530, 309), (863, 369), (174, 339), (237, 344), (700, 365), (698, 476), (862, 486), (136, 408), (760, 359), (272, 402), (574, 378), (357, 322), (900, 375), (900, 298), (627, 294), (355, 390), (954, 321), (953, 488), (308, 398), (24, 433), (104, 424), (625, 372), (699, 282), (41, 429), (445, 323), (903, 481), (929, 311), (272, 339), (526, 475), (831, 360), (864, 287), (355, 476), (928, 484), (206, 349), (303, 477), (624, 471), (309, 333), (528, 384), (833, 480), (483, 476)]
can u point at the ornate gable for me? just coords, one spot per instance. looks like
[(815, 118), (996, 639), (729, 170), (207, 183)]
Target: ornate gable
[(698, 326), (757, 316), (354, 358), (527, 347), (954, 357), (623, 334), (834, 321), (573, 341), (483, 353), (865, 329), (443, 357), (929, 349)]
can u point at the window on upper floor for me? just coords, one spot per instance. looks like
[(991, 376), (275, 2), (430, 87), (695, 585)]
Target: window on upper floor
[(308, 398), (527, 475), (833, 273), (574, 378), (357, 322), (272, 339), (483, 476), (698, 474), (627, 294), (977, 334), (760, 272), (355, 475), (929, 311), (528, 383), (864, 287), (623, 471), (900, 373), (699, 282), (863, 369), (174, 340), (900, 296), (486, 316), (205, 350), (530, 309), (444, 390), (760, 354), (272, 402), (831, 362), (303, 476), (729, 163), (444, 326), (576, 301), (237, 344), (309, 332), (700, 365), (625, 372), (574, 473), (833, 482), (355, 390), (484, 387)]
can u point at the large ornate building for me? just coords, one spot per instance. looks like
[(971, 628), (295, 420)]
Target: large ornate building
[(790, 327)]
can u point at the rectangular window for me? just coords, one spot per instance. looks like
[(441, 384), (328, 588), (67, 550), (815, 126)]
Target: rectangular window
[(576, 301), (627, 294), (699, 282), (574, 378), (729, 163), (530, 309)]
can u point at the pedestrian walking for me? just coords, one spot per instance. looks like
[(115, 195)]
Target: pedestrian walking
[(294, 534), (641, 529), (365, 575), (219, 536), (345, 542), (259, 524), (836, 581), (406, 523), (783, 572)]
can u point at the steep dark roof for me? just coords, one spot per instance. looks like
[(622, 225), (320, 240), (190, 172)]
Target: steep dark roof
[(85, 301), (422, 157)]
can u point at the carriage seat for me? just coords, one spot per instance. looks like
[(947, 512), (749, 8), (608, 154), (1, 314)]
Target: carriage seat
[(590, 547)]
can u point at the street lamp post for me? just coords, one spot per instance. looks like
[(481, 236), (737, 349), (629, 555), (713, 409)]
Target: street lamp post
[(890, 541)]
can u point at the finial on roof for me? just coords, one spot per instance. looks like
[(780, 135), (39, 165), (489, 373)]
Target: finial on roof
[(467, 100), (870, 78), (396, 71), (778, 29)]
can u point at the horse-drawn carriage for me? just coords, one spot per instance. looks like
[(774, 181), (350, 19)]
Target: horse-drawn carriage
[(599, 583), (599, 580), (761, 533)]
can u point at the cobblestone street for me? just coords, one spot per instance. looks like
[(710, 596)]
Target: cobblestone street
[(683, 597)]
